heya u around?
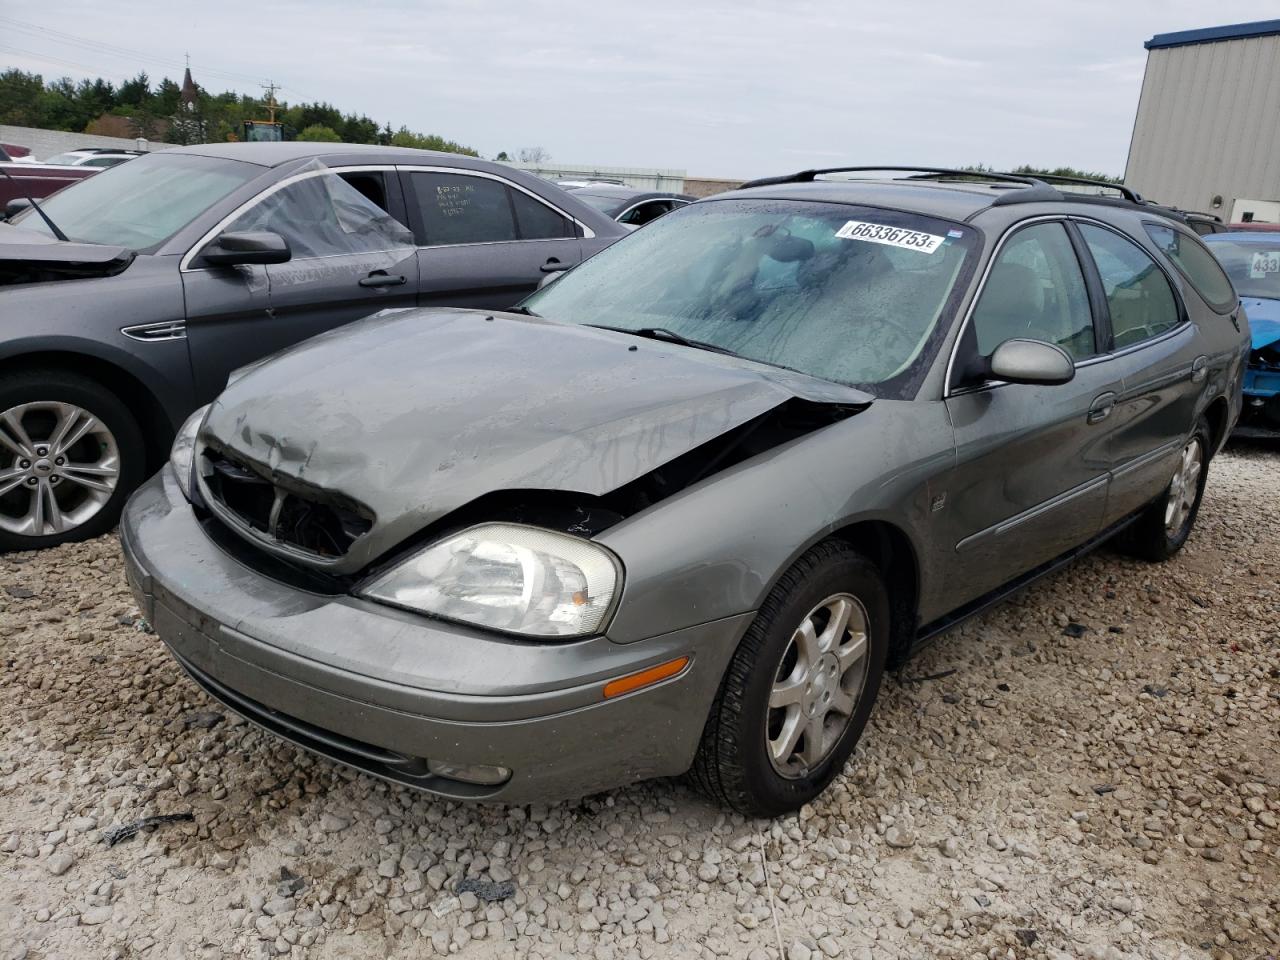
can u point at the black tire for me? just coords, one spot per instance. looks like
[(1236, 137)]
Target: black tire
[(52, 385), (1148, 538), (732, 766)]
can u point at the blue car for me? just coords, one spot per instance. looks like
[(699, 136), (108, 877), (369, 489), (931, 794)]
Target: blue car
[(1252, 261)]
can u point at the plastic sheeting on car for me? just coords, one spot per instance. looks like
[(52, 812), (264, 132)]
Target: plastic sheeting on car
[(322, 216)]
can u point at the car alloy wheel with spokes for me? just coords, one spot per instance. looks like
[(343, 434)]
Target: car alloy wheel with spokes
[(59, 465), (1184, 488), (817, 685)]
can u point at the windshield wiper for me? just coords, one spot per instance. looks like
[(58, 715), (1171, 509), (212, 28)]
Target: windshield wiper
[(667, 336), (35, 206), (523, 311)]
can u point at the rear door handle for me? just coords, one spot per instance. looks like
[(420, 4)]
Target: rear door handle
[(1199, 369), (380, 278), (1101, 407)]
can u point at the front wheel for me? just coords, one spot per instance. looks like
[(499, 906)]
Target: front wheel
[(1162, 529), (799, 689), (70, 453)]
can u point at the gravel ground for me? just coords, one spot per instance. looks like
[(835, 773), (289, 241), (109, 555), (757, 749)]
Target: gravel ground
[(1098, 775)]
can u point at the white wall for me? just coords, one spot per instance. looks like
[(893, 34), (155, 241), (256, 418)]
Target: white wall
[(43, 144)]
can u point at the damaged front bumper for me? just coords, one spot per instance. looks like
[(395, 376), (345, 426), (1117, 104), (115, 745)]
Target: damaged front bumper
[(407, 698)]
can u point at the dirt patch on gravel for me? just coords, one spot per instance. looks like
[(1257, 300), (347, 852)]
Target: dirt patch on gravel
[(1100, 777)]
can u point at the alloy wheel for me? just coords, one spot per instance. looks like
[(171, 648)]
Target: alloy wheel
[(59, 464), (817, 686), (1183, 487)]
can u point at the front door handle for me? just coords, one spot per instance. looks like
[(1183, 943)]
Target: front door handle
[(1199, 369), (1101, 407), (380, 278), (553, 265)]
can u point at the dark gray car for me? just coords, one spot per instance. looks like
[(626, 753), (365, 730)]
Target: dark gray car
[(185, 264), (628, 205), (682, 511)]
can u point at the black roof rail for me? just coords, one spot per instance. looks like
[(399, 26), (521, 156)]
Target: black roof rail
[(806, 176), (1131, 195)]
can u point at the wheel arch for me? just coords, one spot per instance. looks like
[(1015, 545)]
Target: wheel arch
[(890, 548), (153, 419), (1218, 414)]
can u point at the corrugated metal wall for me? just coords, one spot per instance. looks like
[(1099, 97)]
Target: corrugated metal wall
[(642, 178), (1209, 125)]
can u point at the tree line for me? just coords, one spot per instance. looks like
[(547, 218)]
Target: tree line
[(155, 111)]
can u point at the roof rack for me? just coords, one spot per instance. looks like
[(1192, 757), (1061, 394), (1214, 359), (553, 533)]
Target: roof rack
[(1131, 195), (806, 176)]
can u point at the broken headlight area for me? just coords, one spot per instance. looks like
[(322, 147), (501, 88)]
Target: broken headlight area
[(501, 576)]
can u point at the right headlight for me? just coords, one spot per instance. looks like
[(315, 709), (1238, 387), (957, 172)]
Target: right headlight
[(184, 448), (505, 576)]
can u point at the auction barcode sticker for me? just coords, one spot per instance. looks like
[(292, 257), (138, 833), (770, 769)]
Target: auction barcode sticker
[(890, 236)]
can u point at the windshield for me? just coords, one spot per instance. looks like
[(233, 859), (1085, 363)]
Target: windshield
[(847, 293), (1253, 264), (142, 203)]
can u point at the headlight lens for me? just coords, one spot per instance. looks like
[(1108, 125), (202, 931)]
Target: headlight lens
[(184, 448), (508, 577)]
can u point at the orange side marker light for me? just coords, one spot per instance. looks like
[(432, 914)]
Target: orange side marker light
[(644, 678)]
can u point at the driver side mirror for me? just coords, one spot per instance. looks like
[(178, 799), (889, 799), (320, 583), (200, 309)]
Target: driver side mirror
[(1032, 361), (247, 247), (15, 207)]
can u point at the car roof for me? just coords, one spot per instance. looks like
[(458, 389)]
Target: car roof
[(273, 154), (938, 198)]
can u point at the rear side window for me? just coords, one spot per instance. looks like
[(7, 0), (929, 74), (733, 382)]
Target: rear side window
[(460, 209), (536, 220), (1139, 297), (1196, 264), (1036, 291)]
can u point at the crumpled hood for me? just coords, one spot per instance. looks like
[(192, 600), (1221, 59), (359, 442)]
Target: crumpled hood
[(414, 414), (1264, 320), (27, 257)]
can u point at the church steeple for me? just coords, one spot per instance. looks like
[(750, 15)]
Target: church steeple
[(189, 91)]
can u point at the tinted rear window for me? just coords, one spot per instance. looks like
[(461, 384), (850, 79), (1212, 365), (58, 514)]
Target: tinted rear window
[(1196, 264)]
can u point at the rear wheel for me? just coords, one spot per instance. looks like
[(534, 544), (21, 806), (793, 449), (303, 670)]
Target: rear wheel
[(800, 687), (70, 454), (1165, 525)]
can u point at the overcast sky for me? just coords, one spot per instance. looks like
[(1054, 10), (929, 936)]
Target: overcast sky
[(724, 89)]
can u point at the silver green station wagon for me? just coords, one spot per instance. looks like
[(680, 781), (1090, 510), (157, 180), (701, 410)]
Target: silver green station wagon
[(679, 511)]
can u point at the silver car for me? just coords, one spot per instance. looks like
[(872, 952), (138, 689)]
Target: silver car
[(680, 511)]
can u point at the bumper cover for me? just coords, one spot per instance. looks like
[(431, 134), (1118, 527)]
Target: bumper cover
[(384, 690)]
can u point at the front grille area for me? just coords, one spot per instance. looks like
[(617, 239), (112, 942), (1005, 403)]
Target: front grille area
[(315, 521)]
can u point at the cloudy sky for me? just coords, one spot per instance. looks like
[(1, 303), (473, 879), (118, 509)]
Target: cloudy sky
[(727, 89)]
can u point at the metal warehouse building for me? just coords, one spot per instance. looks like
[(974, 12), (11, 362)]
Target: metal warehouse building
[(1207, 134)]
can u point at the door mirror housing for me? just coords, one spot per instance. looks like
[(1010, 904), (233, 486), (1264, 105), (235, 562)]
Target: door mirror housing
[(15, 207), (1032, 361), (247, 247)]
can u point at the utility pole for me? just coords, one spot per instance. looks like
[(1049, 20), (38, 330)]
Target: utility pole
[(270, 87)]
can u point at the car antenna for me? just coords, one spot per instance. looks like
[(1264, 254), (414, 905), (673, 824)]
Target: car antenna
[(32, 200)]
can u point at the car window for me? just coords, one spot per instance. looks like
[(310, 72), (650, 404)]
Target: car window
[(646, 212), (536, 220), (324, 216), (1253, 263), (1139, 297), (103, 161), (1196, 264), (1036, 291), (857, 295), (457, 208)]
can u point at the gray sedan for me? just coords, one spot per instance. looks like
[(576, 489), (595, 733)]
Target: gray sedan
[(126, 309), (680, 511)]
